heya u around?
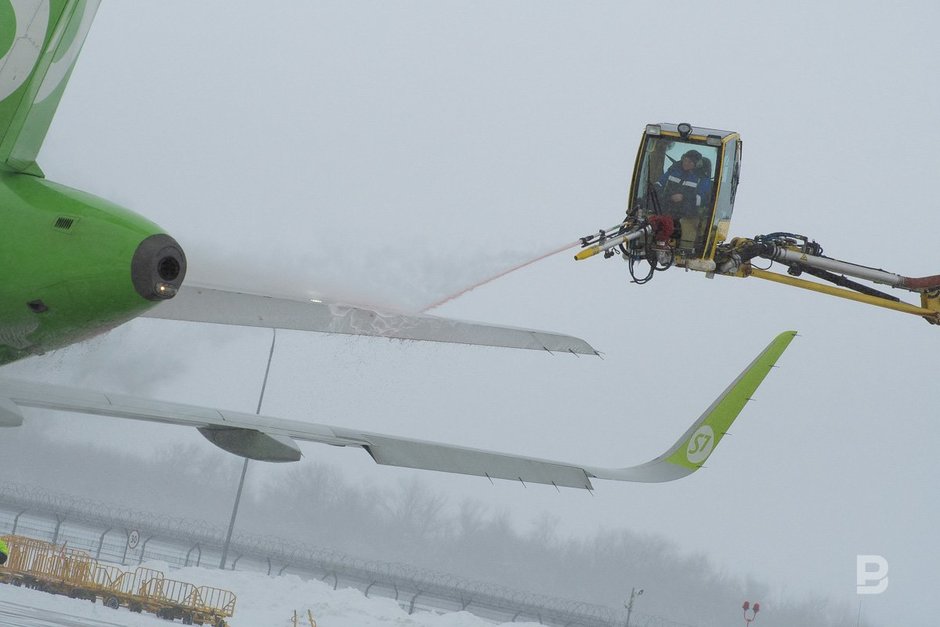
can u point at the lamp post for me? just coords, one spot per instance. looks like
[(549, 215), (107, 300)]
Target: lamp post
[(241, 482), (747, 607), (634, 593)]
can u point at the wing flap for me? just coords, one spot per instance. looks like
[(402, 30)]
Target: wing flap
[(199, 304), (466, 461)]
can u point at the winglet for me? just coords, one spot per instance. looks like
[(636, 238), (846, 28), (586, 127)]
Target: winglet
[(689, 453)]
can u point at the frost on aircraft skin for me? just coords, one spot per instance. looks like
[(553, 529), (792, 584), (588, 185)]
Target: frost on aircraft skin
[(347, 319), (16, 335)]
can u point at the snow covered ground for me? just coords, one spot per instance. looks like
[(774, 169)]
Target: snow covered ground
[(263, 601)]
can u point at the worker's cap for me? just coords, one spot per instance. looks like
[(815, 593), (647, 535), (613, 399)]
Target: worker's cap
[(694, 155)]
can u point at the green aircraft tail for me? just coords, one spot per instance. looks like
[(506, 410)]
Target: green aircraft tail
[(39, 43)]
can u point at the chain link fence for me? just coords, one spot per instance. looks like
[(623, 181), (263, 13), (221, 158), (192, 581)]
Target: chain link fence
[(129, 537)]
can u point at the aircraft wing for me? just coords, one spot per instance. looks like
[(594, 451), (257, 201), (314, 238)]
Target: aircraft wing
[(274, 439), (200, 304)]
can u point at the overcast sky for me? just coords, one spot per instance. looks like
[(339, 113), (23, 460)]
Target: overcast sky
[(393, 152)]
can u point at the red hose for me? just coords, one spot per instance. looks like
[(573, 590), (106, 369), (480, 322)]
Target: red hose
[(921, 283)]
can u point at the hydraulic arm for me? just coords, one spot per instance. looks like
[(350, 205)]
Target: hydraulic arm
[(801, 255), (653, 240)]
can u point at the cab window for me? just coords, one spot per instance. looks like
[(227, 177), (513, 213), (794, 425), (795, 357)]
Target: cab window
[(730, 165), (677, 178)]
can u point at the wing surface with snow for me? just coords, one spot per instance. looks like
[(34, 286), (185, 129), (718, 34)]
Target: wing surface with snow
[(200, 304)]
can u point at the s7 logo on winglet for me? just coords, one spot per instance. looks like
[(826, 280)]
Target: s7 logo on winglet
[(700, 444)]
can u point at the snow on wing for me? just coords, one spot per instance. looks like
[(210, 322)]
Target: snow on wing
[(197, 304)]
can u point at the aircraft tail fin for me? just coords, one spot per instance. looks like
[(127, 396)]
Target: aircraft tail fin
[(39, 43), (691, 450)]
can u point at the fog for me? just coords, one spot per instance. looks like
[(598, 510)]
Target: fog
[(412, 523), (395, 153)]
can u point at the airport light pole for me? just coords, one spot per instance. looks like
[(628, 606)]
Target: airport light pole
[(241, 482), (634, 593)]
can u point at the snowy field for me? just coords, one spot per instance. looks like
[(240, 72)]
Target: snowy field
[(262, 601)]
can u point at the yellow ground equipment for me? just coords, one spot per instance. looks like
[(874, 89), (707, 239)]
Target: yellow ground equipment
[(297, 621), (679, 214), (61, 570)]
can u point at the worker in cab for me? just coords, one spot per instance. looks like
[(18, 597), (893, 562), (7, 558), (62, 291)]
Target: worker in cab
[(684, 187), (4, 552), (684, 190)]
